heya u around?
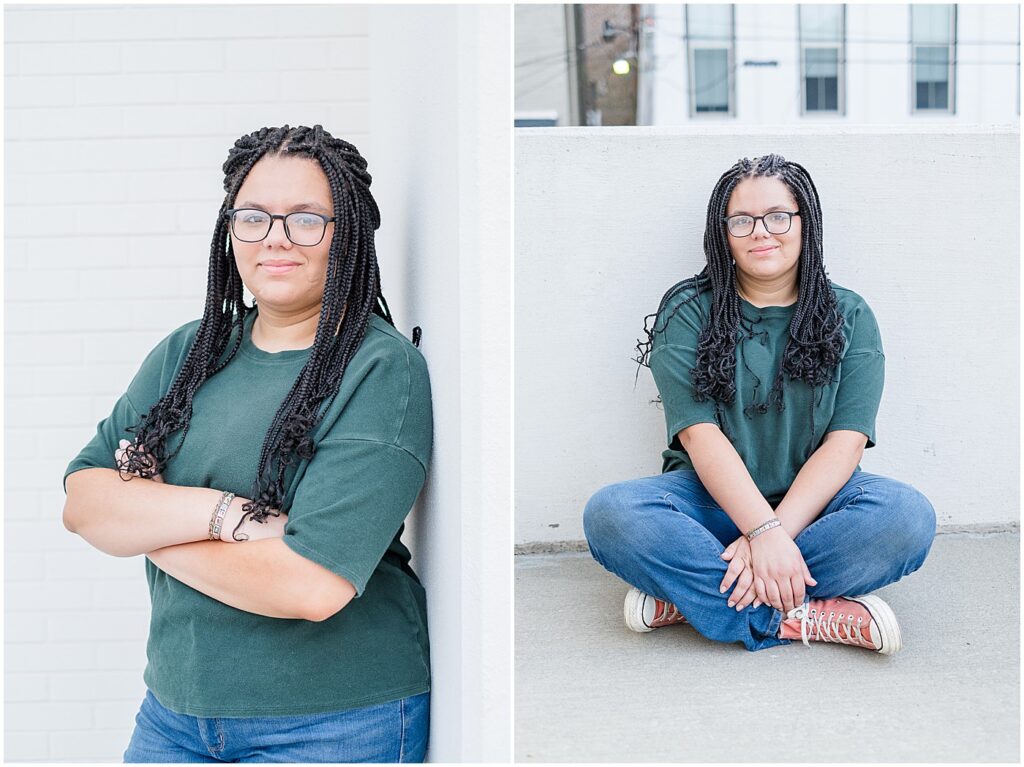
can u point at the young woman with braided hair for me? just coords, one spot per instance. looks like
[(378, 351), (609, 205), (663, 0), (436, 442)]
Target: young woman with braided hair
[(264, 459), (762, 528)]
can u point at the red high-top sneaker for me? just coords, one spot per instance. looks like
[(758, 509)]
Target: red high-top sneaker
[(865, 621), (645, 613)]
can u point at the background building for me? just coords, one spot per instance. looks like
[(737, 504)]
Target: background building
[(772, 64), (576, 65), (545, 66)]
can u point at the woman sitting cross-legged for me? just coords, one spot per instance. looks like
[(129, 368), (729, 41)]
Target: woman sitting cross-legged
[(762, 529)]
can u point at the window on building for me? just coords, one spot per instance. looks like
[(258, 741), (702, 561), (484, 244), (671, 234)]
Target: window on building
[(933, 56), (822, 58), (709, 46)]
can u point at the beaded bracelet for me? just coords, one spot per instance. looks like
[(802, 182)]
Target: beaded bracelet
[(218, 514), (773, 522)]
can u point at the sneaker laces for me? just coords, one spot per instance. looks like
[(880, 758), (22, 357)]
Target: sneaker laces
[(815, 625), (671, 613)]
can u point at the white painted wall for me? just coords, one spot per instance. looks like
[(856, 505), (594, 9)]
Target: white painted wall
[(543, 76), (442, 139), (608, 219), (878, 68), (121, 115)]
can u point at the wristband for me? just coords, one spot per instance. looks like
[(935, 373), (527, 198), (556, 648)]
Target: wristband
[(773, 522), (218, 514)]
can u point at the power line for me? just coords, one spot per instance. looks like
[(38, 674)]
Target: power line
[(537, 86), (565, 56), (788, 32), (846, 38), (564, 53)]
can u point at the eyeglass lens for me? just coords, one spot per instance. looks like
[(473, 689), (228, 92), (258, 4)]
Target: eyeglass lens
[(776, 223), (251, 225)]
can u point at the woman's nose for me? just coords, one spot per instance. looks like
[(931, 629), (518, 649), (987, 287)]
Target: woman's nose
[(277, 234)]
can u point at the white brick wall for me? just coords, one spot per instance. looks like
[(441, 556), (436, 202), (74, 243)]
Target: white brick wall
[(117, 121)]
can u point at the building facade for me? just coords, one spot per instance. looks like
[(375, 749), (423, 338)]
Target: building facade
[(781, 64)]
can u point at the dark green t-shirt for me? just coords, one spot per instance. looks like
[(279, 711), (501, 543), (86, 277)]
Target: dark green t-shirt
[(345, 508), (773, 445)]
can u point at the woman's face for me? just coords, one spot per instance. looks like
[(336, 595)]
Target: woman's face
[(762, 255), (283, 276)]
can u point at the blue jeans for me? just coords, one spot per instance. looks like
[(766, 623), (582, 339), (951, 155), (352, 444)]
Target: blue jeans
[(389, 732), (665, 535)]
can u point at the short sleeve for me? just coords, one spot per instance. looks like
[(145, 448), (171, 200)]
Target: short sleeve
[(148, 385), (350, 503), (99, 453), (369, 466), (673, 356), (862, 375)]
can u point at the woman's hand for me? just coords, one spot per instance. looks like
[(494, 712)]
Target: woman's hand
[(740, 572), (272, 527), (780, 573), (119, 458)]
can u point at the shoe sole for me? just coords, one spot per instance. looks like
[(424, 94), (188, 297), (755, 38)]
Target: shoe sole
[(885, 620), (631, 608)]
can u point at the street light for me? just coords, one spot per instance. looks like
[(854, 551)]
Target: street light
[(621, 66)]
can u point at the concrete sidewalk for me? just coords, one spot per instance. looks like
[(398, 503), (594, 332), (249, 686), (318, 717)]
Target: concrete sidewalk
[(590, 690)]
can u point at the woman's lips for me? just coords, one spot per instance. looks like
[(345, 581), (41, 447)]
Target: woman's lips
[(762, 251), (278, 267)]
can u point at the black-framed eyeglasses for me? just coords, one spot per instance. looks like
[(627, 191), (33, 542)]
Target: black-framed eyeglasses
[(776, 222), (302, 227)]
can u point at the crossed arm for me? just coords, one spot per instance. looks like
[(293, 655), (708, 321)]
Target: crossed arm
[(170, 524), (238, 576)]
